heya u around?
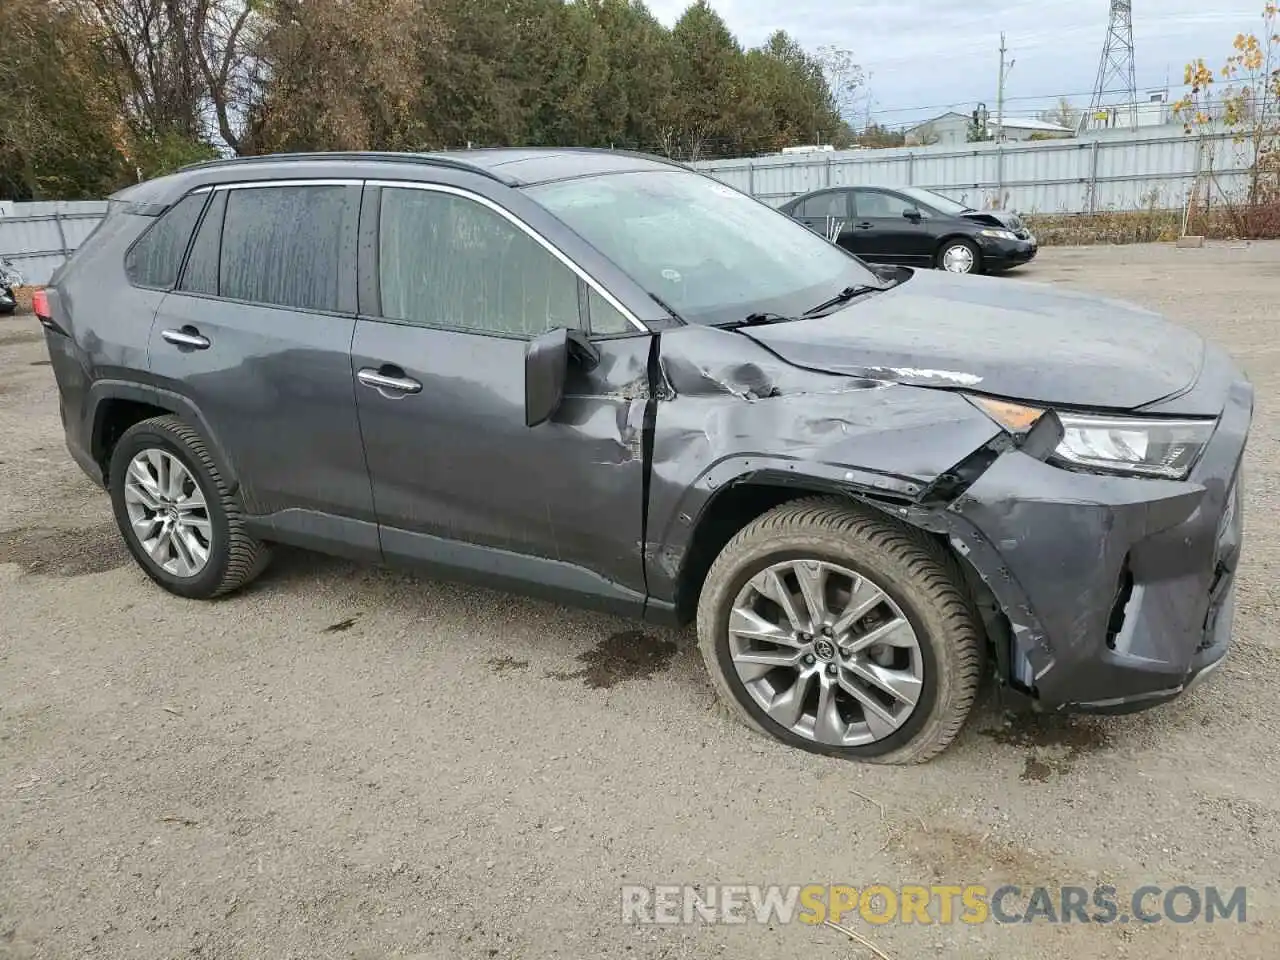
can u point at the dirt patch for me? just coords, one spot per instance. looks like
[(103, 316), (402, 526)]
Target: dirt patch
[(629, 655), (505, 664), (64, 553), (946, 853), (1055, 743), (22, 336), (40, 363)]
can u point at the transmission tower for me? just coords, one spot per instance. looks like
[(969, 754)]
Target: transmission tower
[(1115, 69)]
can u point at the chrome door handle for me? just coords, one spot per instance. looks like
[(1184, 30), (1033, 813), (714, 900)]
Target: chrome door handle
[(865, 226), (380, 381), (184, 338)]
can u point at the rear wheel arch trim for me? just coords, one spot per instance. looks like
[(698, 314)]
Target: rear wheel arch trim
[(103, 392)]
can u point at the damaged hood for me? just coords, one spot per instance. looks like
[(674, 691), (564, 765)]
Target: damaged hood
[(997, 218), (1002, 337)]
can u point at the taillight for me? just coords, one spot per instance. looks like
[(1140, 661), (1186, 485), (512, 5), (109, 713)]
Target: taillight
[(40, 305)]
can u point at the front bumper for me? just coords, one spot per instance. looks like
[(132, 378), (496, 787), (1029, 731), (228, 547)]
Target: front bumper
[(1119, 592), (999, 254)]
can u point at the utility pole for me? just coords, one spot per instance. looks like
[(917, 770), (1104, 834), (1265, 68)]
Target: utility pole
[(1004, 74)]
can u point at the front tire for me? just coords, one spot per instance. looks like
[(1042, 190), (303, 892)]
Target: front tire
[(834, 629), (177, 514), (959, 256)]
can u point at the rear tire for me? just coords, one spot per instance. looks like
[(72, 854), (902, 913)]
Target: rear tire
[(936, 658), (176, 512)]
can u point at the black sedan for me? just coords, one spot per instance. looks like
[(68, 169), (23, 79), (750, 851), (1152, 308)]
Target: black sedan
[(915, 228)]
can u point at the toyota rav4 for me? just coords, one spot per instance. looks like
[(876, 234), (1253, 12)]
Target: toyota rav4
[(612, 381)]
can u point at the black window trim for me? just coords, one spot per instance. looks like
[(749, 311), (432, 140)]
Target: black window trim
[(519, 224), (253, 185), (205, 212), (182, 261)]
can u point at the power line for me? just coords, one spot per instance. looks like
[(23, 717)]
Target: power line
[(1036, 96)]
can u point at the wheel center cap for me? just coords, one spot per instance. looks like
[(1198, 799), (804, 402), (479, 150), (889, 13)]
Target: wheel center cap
[(173, 514), (824, 649)]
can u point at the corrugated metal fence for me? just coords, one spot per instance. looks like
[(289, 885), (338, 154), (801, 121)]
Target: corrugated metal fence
[(1116, 170), (37, 238)]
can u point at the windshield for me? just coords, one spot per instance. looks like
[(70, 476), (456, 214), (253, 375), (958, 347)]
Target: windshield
[(712, 253), (944, 205)]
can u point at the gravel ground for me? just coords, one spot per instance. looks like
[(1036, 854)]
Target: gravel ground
[(348, 762)]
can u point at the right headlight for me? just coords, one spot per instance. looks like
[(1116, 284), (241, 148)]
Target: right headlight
[(1134, 446), (999, 234)]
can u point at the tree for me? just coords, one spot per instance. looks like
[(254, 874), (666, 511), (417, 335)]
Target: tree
[(785, 99), (1062, 113), (844, 78), (339, 76), (877, 136), (1248, 108), (977, 131), (176, 63), (707, 74), (135, 88), (60, 135)]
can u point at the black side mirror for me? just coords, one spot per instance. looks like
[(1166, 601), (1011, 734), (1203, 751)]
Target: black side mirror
[(546, 369), (912, 214)]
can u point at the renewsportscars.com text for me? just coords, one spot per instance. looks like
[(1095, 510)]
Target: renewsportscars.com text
[(929, 904)]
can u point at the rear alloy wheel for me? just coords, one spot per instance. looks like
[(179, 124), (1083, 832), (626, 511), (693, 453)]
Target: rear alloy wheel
[(176, 513), (959, 256), (841, 632)]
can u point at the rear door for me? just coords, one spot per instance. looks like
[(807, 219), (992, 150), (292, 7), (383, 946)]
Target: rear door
[(258, 335), (884, 234), (453, 288)]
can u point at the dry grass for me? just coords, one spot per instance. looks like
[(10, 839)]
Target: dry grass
[(23, 296), (1153, 225)]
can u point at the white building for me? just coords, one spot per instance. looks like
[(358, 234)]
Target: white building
[(952, 129)]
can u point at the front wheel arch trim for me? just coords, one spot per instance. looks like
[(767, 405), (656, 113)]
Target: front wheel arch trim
[(670, 561)]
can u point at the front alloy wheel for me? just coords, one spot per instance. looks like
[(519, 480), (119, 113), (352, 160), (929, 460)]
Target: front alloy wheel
[(834, 628), (825, 652), (959, 257)]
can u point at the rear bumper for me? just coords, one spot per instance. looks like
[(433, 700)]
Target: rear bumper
[(1119, 592)]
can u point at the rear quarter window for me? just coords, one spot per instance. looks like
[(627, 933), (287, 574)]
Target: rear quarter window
[(154, 260)]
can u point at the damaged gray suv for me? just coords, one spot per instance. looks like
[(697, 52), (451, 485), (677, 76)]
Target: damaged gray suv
[(611, 381)]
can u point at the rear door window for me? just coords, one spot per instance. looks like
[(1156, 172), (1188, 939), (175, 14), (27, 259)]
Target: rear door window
[(823, 205), (153, 261), (290, 246)]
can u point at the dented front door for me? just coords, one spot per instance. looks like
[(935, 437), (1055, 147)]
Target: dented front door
[(459, 480)]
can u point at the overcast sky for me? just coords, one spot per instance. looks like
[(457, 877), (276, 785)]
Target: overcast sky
[(924, 58)]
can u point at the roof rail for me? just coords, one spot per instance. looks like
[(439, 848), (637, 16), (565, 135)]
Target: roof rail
[(425, 159)]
